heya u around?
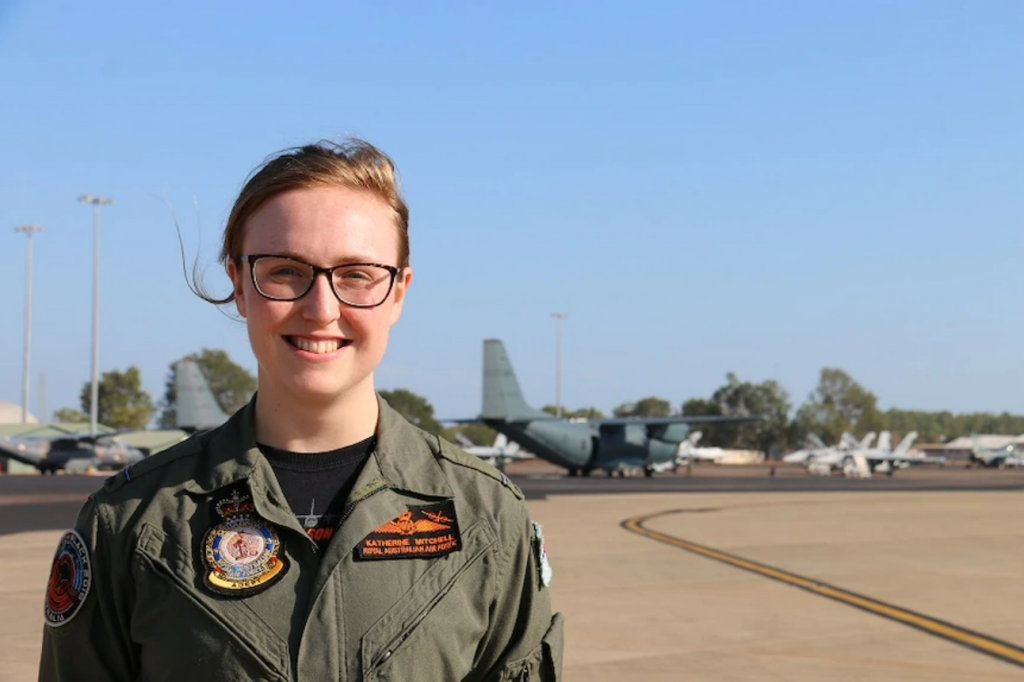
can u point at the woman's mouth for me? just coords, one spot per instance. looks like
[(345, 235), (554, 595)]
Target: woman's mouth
[(317, 346)]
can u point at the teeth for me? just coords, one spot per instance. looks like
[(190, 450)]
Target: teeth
[(316, 347)]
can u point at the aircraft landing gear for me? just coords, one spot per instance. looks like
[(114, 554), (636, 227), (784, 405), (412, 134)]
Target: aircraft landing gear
[(573, 473), (648, 472)]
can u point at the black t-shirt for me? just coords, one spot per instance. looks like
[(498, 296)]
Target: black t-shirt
[(317, 485)]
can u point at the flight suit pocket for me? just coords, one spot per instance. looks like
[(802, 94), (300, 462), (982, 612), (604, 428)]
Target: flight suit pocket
[(432, 632), (544, 663), (184, 631)]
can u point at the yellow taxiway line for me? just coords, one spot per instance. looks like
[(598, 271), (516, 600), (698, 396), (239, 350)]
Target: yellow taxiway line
[(1004, 651)]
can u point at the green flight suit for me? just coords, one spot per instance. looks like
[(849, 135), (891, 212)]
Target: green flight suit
[(479, 613)]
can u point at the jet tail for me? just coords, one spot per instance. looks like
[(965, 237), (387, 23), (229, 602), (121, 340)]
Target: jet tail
[(503, 399), (196, 407), (904, 447)]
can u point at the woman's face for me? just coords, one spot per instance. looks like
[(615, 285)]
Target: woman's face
[(324, 226)]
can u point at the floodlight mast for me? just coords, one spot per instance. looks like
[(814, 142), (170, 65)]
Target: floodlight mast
[(558, 362), (28, 230), (96, 202)]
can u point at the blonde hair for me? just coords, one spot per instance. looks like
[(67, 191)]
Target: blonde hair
[(352, 164)]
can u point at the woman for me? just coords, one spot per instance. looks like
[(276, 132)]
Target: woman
[(317, 535)]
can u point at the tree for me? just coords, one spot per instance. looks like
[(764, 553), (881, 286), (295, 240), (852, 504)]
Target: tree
[(232, 384), (478, 434), (839, 404), (70, 415), (646, 407), (743, 399), (414, 408), (122, 402)]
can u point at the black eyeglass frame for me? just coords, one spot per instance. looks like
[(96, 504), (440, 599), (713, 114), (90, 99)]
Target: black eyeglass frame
[(317, 271)]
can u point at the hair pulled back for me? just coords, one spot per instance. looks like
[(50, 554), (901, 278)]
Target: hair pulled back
[(351, 164)]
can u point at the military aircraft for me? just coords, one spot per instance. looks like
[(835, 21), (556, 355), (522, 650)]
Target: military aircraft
[(861, 461), (75, 454), (1000, 458), (617, 445), (501, 449), (196, 409)]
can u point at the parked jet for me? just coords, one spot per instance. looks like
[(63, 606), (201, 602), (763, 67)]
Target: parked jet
[(861, 462), (75, 454), (1001, 458), (196, 409), (814, 447), (501, 449), (614, 445)]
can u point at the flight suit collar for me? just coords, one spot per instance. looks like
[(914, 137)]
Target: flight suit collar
[(403, 455)]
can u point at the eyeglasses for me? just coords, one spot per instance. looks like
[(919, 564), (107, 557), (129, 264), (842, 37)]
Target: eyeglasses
[(360, 285)]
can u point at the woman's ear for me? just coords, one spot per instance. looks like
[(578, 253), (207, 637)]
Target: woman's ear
[(236, 282), (401, 286)]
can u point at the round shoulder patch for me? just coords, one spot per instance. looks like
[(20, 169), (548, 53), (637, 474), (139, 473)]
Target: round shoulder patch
[(70, 578)]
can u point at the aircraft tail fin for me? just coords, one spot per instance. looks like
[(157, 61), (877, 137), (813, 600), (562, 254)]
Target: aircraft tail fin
[(868, 439), (503, 399), (195, 408), (885, 441), (904, 447)]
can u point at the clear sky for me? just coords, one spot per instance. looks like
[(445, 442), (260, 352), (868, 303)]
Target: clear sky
[(704, 187)]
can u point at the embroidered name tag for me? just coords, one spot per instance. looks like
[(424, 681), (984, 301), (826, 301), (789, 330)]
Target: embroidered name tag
[(419, 533)]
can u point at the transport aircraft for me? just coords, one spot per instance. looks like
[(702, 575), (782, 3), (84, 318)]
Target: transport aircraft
[(616, 445), (196, 410)]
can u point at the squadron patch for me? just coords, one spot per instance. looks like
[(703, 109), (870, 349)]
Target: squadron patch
[(70, 578), (419, 533), (541, 548), (242, 552)]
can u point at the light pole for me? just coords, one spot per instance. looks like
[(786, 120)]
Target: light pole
[(29, 230), (558, 362), (96, 202)]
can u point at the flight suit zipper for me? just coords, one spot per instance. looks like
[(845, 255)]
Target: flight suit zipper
[(398, 640), (389, 650)]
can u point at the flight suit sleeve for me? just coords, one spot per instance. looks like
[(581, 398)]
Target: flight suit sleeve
[(525, 640), (86, 627)]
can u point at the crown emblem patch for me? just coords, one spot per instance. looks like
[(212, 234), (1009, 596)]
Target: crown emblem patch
[(242, 553)]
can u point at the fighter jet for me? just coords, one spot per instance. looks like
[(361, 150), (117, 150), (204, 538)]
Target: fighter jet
[(618, 445), (861, 461), (501, 449), (196, 409), (1007, 456)]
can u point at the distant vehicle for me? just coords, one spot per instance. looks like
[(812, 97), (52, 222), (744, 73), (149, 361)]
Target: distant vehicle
[(998, 458), (502, 449), (196, 409), (617, 445)]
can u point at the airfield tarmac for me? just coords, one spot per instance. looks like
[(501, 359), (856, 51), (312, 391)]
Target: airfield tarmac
[(729, 575)]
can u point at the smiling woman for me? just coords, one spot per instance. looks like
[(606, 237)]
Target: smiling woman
[(317, 534)]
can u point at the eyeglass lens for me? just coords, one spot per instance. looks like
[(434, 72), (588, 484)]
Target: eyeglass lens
[(286, 279)]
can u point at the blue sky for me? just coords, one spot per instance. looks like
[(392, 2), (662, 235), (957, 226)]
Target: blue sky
[(704, 187)]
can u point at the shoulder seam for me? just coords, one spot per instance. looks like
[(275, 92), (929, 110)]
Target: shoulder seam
[(500, 479), (190, 446)]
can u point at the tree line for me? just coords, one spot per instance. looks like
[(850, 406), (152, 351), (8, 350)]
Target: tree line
[(838, 403)]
